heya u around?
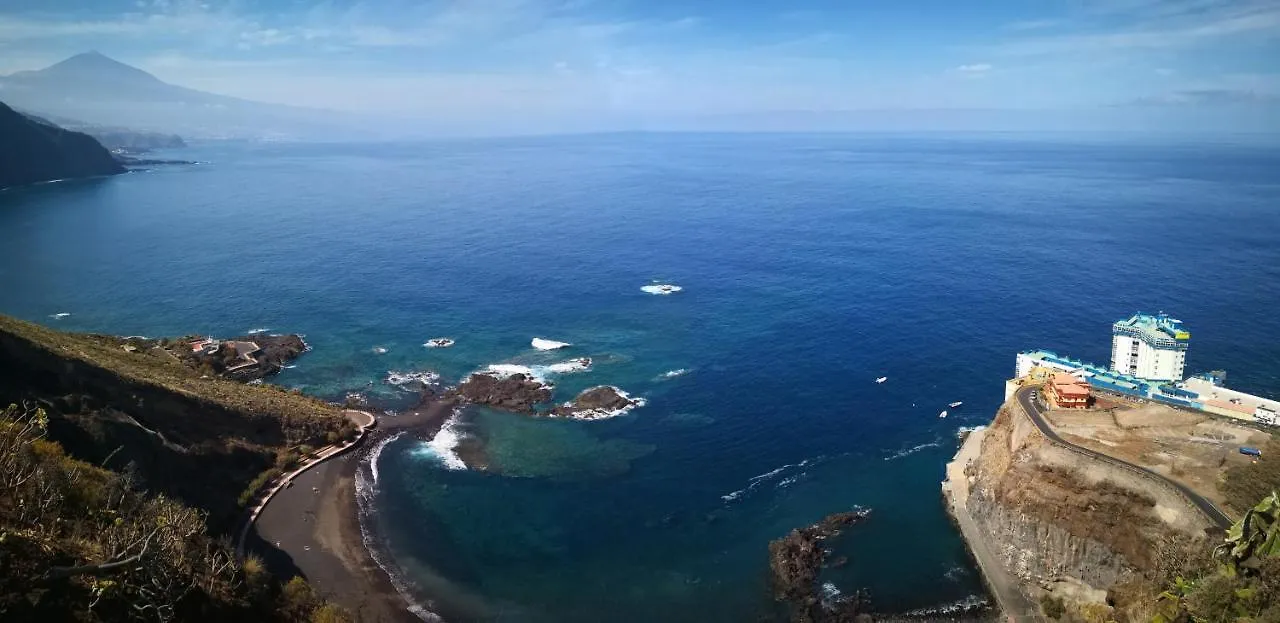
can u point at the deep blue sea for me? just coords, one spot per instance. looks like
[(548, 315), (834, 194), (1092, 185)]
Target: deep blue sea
[(811, 265)]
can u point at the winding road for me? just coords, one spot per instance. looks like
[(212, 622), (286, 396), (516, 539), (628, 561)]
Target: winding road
[(1033, 411)]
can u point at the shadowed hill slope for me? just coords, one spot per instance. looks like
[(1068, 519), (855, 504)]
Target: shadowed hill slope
[(33, 152)]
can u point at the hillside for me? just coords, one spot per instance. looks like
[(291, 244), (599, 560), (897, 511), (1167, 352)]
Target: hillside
[(35, 152), (80, 543), (119, 404)]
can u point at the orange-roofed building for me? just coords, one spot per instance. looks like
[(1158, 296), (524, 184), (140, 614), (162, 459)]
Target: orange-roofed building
[(1067, 391)]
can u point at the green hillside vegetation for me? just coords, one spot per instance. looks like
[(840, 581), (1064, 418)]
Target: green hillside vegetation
[(80, 543), (126, 404), (1242, 585)]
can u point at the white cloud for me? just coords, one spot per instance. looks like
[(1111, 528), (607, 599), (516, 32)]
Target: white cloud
[(1153, 25), (975, 68)]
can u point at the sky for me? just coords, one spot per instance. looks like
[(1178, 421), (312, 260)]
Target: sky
[(608, 60)]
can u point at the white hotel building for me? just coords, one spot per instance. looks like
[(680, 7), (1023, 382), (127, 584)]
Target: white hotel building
[(1147, 347)]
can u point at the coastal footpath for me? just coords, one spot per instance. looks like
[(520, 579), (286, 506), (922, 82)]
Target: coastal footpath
[(1053, 525)]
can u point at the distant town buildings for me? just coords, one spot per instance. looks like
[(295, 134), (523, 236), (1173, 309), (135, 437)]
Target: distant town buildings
[(1152, 348)]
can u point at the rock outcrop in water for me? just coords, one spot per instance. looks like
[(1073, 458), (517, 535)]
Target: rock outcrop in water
[(595, 403), (520, 393), (32, 152), (796, 560)]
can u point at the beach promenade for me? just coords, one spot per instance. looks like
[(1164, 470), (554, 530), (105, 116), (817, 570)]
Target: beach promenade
[(1013, 605), (362, 419)]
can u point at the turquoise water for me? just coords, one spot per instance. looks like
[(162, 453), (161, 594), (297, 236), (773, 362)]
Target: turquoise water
[(810, 264)]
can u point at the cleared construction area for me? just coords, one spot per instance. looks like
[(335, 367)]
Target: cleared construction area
[(1192, 448)]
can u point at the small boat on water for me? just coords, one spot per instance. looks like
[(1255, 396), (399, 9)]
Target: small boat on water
[(882, 379), (955, 404), (439, 342), (943, 414)]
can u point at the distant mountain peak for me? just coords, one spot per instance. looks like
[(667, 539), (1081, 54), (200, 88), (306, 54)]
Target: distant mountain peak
[(94, 65)]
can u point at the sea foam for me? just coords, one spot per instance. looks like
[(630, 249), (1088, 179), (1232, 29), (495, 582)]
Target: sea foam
[(443, 446), (937, 443), (376, 453), (401, 379), (545, 344), (661, 288), (796, 472)]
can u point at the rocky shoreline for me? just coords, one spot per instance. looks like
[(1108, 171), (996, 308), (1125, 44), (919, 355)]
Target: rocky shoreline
[(796, 561)]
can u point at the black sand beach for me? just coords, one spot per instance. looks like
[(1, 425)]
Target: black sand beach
[(312, 528)]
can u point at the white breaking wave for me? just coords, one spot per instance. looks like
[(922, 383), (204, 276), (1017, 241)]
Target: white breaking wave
[(376, 453), (544, 344), (661, 288), (569, 367), (289, 367), (365, 491), (400, 379), (757, 480), (538, 373), (960, 606), (937, 443), (257, 331), (60, 315), (379, 350), (671, 374), (510, 369), (442, 447)]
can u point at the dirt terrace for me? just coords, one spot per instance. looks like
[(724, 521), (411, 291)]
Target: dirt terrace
[(1192, 448)]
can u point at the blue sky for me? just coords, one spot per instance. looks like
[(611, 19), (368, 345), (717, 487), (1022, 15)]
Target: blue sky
[(487, 59)]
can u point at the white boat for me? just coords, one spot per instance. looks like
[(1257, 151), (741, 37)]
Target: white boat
[(955, 404), (439, 342), (882, 379), (943, 414)]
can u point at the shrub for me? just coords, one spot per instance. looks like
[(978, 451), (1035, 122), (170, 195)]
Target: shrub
[(1052, 606)]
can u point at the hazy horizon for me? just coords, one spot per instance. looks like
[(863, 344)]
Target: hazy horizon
[(457, 67)]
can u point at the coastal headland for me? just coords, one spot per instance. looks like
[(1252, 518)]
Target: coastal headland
[(1090, 511)]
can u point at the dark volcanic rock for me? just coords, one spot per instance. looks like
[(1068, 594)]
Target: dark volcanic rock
[(796, 560), (516, 392), (32, 152), (596, 402)]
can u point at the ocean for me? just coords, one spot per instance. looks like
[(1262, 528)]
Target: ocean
[(810, 266)]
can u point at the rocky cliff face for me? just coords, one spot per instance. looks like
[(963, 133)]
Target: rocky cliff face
[(1067, 525), (35, 152)]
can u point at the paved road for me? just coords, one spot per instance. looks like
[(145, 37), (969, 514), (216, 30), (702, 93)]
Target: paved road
[(1037, 416)]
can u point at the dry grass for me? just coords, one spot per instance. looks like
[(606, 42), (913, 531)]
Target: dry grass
[(158, 368)]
